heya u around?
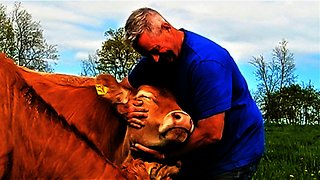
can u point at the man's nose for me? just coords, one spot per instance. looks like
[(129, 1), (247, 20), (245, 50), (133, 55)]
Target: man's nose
[(155, 57)]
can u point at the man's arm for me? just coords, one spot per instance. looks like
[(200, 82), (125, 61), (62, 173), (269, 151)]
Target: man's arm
[(207, 131)]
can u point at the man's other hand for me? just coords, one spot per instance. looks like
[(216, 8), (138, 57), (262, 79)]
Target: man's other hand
[(156, 154)]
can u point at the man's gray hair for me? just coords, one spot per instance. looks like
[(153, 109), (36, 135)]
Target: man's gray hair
[(138, 22)]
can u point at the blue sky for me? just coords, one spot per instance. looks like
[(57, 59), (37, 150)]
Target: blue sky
[(244, 28)]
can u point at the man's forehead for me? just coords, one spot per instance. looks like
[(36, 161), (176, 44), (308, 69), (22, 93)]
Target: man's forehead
[(145, 41)]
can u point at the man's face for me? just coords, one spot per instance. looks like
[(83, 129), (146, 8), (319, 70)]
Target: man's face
[(159, 46)]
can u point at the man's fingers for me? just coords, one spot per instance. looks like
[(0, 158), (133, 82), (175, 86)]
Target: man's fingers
[(138, 126), (155, 153), (145, 149), (137, 115), (134, 113), (133, 148), (137, 109), (136, 121)]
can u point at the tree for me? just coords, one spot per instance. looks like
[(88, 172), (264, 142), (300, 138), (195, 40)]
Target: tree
[(116, 57), (284, 64), (6, 33), (31, 48), (89, 66), (299, 105), (273, 76), (310, 110)]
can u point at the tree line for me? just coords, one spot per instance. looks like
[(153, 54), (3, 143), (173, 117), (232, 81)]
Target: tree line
[(21, 38), (280, 98)]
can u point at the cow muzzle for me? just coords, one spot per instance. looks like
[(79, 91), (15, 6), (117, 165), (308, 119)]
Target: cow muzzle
[(177, 126)]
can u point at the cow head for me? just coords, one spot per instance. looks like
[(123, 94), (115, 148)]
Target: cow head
[(166, 124)]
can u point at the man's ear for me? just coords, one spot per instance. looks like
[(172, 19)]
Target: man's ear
[(108, 87), (166, 26)]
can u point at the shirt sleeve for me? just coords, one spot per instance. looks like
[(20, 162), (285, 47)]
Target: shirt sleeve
[(212, 88)]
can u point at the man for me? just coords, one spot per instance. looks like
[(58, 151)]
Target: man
[(228, 139)]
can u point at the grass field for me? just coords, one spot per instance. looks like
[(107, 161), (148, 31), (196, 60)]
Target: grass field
[(292, 152)]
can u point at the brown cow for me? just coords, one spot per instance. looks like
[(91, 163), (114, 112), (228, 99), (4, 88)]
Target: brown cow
[(56, 126)]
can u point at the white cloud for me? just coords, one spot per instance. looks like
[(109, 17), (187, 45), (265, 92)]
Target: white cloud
[(245, 28), (81, 55)]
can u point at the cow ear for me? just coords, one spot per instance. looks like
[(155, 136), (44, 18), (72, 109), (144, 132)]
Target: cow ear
[(108, 87)]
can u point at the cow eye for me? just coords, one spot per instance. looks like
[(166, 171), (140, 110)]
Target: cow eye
[(145, 97)]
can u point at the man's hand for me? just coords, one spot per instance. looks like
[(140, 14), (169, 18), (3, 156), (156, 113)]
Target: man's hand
[(152, 152), (134, 113)]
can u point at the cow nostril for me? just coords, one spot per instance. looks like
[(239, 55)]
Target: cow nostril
[(176, 116)]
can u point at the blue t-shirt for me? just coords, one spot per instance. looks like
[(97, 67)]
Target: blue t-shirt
[(206, 81)]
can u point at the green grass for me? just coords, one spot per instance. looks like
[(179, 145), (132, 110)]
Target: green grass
[(292, 152)]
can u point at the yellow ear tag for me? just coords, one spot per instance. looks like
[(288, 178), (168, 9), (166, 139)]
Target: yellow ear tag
[(101, 89)]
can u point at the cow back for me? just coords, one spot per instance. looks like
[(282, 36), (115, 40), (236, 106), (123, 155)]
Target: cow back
[(75, 99), (37, 141)]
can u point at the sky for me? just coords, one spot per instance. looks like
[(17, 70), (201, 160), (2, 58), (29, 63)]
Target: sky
[(246, 29)]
